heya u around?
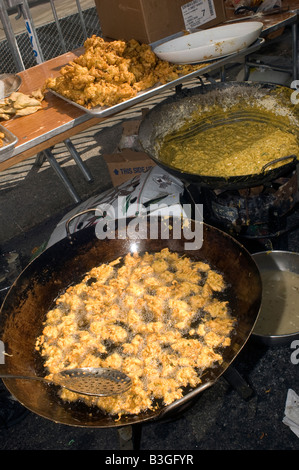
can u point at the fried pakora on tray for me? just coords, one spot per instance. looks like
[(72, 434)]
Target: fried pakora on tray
[(108, 73), (154, 316)]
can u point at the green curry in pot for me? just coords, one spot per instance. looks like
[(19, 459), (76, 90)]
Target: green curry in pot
[(230, 148)]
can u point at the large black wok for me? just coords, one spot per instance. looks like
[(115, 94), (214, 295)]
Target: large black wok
[(32, 294), (169, 115)]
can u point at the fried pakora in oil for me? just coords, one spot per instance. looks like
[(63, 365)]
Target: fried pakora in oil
[(108, 73), (154, 316)]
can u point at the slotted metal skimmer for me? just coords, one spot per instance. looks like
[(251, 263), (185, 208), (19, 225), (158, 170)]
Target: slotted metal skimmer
[(86, 381)]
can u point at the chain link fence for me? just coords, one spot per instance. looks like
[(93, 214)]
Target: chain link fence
[(49, 39)]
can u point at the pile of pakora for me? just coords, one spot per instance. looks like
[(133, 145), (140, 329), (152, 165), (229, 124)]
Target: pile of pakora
[(108, 73), (20, 104), (157, 317)]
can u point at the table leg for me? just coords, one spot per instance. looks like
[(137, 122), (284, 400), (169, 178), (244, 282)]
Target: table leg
[(62, 175), (71, 148)]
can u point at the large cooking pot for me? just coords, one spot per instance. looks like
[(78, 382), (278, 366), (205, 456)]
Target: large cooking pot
[(171, 114), (31, 296)]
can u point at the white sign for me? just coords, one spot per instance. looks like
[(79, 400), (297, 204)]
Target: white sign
[(198, 12)]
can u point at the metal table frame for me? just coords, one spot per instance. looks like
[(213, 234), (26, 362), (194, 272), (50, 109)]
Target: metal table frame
[(293, 22)]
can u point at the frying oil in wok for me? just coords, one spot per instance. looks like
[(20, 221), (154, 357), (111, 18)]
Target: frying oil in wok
[(156, 317)]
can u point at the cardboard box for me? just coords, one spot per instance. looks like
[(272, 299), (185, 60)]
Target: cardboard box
[(126, 164), (149, 21)]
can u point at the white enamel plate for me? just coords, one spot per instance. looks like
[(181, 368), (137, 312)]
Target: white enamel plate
[(209, 44)]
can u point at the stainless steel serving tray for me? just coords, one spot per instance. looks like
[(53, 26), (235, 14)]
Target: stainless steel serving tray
[(9, 142), (99, 111)]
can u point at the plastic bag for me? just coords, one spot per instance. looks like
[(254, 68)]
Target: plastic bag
[(269, 5)]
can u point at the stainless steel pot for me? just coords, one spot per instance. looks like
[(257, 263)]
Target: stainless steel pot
[(276, 261)]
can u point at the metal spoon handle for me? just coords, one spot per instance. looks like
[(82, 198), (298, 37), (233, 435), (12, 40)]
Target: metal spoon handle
[(86, 381), (24, 377)]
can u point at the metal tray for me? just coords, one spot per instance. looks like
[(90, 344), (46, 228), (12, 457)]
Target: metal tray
[(10, 140), (99, 111)]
